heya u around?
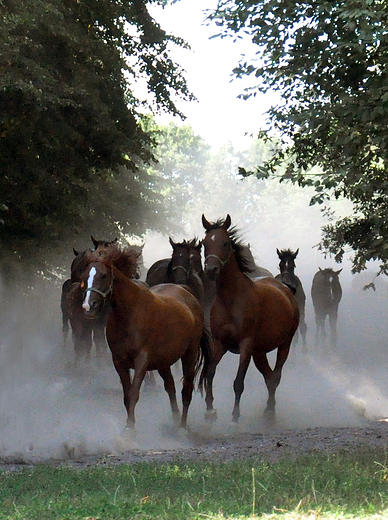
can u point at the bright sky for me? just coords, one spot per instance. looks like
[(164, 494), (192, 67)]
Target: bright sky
[(218, 116)]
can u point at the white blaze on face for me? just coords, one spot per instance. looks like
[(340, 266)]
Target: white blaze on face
[(92, 274)]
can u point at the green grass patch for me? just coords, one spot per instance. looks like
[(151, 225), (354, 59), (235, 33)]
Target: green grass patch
[(342, 485)]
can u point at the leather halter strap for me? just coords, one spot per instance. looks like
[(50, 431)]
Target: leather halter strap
[(222, 262), (181, 267), (101, 293)]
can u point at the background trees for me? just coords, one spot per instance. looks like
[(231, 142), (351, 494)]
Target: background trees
[(70, 115), (328, 60)]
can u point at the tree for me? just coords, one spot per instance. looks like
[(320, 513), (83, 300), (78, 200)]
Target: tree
[(329, 62), (70, 116)]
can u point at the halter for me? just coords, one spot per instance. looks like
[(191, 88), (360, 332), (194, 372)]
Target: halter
[(181, 267), (101, 293), (222, 262)]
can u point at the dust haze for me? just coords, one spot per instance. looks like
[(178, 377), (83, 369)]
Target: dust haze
[(49, 409)]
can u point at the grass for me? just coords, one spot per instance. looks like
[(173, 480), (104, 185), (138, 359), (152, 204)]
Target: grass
[(332, 486)]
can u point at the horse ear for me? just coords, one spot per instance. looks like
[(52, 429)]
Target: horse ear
[(199, 246), (172, 243), (114, 241), (206, 224), (319, 268), (278, 252), (75, 252), (95, 242), (338, 272), (296, 253), (227, 222)]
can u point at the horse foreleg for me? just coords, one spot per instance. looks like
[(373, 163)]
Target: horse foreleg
[(122, 369), (238, 383), (169, 386), (215, 358), (333, 329), (303, 331), (134, 390), (65, 329), (100, 340)]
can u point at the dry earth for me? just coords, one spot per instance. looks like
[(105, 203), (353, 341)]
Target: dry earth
[(271, 446)]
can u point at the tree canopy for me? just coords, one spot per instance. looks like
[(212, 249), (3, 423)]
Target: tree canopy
[(71, 110), (329, 62)]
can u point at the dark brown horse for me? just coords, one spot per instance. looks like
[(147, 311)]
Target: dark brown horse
[(180, 269), (147, 329), (288, 277), (86, 332), (326, 293), (248, 317)]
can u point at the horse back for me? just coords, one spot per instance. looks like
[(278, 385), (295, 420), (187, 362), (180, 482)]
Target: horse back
[(158, 272)]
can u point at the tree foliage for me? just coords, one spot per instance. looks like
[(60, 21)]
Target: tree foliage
[(329, 62), (70, 111)]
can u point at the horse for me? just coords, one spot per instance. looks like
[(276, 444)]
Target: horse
[(147, 329), (326, 293), (289, 278), (84, 331), (254, 270), (248, 317), (180, 269)]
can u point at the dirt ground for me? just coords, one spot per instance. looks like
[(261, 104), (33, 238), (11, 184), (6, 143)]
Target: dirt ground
[(229, 447)]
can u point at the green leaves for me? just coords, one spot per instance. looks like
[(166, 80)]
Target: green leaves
[(68, 114), (329, 61)]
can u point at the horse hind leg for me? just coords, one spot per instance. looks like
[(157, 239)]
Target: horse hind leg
[(169, 386), (238, 383), (188, 369), (271, 377)]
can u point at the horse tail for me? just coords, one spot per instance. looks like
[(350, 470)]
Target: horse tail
[(205, 353)]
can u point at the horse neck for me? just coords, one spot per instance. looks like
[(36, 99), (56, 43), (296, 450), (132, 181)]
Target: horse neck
[(229, 277), (124, 289)]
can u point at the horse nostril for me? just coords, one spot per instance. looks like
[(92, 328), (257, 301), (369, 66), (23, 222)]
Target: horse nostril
[(94, 304)]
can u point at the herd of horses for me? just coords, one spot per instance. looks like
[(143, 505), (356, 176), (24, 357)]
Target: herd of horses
[(191, 311)]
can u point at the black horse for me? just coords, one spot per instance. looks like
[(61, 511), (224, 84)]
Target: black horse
[(289, 278), (181, 268), (326, 293)]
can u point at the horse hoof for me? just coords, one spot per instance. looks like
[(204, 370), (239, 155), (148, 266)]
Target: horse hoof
[(269, 415), (211, 415), (130, 431)]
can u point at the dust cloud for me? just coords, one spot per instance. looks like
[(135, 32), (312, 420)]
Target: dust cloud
[(48, 409)]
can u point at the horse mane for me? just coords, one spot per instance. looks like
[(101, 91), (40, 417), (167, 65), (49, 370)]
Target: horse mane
[(124, 259), (244, 263)]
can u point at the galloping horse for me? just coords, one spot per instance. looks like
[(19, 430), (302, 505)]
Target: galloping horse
[(248, 317), (84, 331), (180, 269), (289, 278), (147, 329), (326, 293)]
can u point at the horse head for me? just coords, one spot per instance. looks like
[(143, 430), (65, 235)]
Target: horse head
[(217, 245), (96, 283)]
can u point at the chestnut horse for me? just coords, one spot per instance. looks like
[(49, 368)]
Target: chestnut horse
[(181, 268), (248, 317), (84, 331), (288, 277), (147, 329)]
